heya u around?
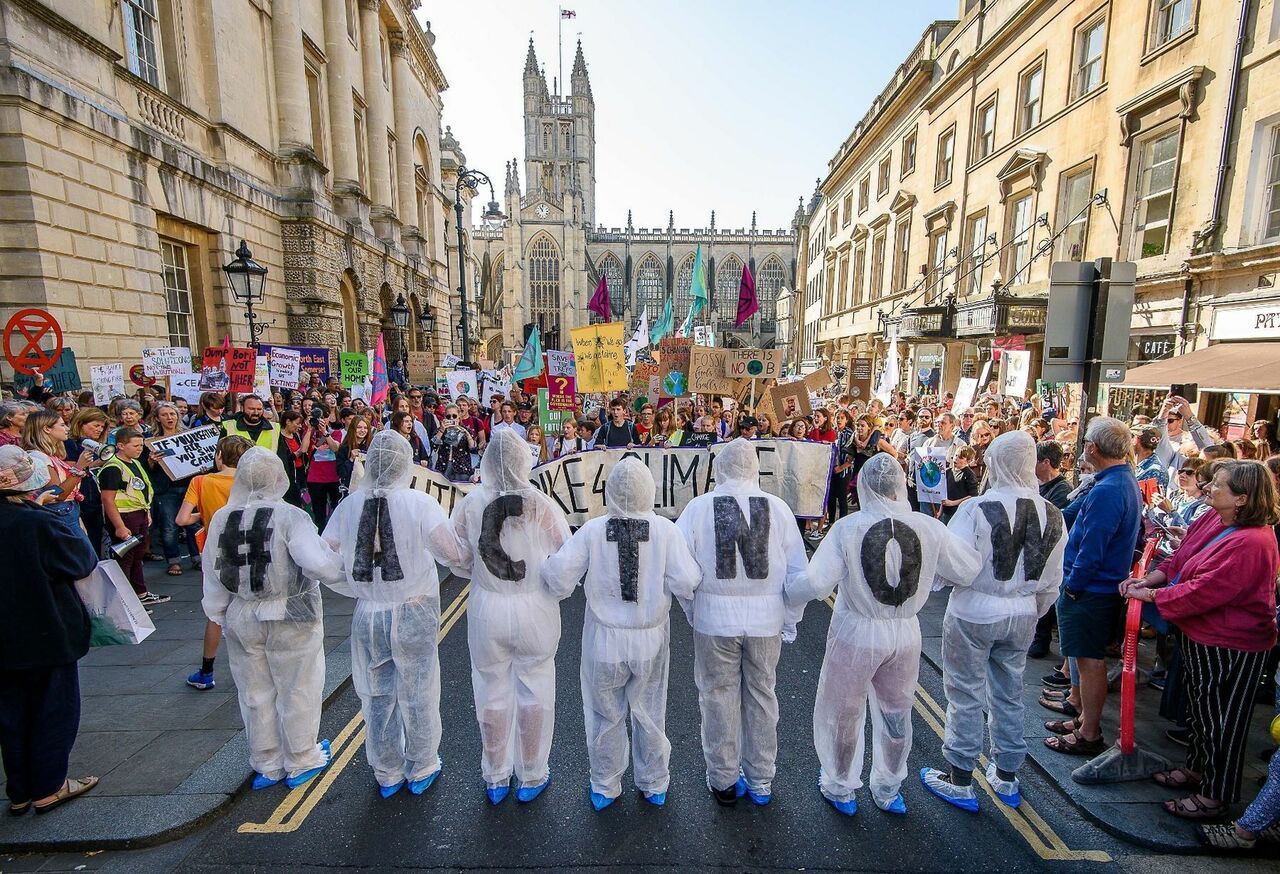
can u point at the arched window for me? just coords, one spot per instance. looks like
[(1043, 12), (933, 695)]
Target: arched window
[(728, 278), (350, 324), (651, 287), (495, 301), (611, 269), (769, 286), (544, 284), (684, 278)]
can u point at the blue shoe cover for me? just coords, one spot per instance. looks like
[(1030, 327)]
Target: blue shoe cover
[(657, 799), (759, 800), (962, 797), (897, 806), (848, 808), (741, 786), (1006, 790), (417, 787), (496, 794), (261, 781), (388, 791), (600, 802), (527, 793), (295, 782)]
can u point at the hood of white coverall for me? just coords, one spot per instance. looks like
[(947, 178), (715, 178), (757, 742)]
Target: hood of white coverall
[(630, 489), (259, 477), (388, 463), (737, 463), (506, 463), (1011, 462)]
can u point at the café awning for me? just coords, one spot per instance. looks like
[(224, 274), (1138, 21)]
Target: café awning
[(1227, 367)]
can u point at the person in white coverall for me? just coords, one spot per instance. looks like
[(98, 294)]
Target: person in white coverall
[(748, 550), (261, 561), (382, 529), (499, 536), (634, 561), (989, 625), (883, 559)]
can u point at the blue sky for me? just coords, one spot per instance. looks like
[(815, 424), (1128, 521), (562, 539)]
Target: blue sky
[(700, 104)]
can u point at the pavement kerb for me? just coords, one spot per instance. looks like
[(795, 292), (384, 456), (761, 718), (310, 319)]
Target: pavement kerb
[(134, 821)]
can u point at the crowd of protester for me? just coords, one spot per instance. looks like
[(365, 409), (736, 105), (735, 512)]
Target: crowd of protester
[(1206, 503)]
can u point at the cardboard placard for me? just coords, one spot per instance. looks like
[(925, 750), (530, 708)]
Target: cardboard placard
[(421, 367), (108, 382), (166, 361), (1017, 369), (285, 367), (450, 361), (707, 372), (188, 453), (819, 379), (228, 369), (965, 392), (353, 367), (673, 355), (601, 359), (753, 363), (551, 419), (790, 401)]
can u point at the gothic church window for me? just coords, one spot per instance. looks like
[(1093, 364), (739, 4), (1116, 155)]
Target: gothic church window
[(769, 286), (684, 278), (544, 284), (651, 288), (611, 269), (728, 279)]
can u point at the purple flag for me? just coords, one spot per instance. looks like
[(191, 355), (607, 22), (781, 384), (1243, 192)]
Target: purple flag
[(380, 384), (747, 303), (600, 301)]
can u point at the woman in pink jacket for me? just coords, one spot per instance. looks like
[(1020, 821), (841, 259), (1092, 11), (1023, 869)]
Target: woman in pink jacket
[(1219, 589)]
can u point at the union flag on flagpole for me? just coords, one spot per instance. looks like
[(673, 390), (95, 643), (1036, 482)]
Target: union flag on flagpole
[(568, 13)]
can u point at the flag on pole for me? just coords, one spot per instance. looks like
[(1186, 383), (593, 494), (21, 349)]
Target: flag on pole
[(568, 13), (600, 300), (748, 305), (697, 293), (530, 364), (380, 382), (639, 340), (664, 324)]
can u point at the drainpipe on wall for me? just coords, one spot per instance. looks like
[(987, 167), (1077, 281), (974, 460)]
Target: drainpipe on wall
[(1229, 123)]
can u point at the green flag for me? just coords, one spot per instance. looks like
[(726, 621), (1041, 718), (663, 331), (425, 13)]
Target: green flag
[(697, 293), (665, 323), (530, 363)]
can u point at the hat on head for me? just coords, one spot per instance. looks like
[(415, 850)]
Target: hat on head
[(524, 405), (21, 472), (748, 422)]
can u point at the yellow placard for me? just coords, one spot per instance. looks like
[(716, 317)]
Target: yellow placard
[(601, 360)]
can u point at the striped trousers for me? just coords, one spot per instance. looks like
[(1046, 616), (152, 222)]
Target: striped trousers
[(1222, 686)]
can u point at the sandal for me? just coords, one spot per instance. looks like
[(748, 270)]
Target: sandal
[(71, 789), (1061, 726), (1177, 778), (1191, 807), (19, 809), (175, 570), (1063, 706), (1054, 694), (1224, 836), (1074, 744)]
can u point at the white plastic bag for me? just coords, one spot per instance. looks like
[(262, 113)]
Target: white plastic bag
[(116, 614)]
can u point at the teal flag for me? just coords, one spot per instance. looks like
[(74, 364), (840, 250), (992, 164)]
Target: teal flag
[(697, 293), (530, 364), (665, 323)]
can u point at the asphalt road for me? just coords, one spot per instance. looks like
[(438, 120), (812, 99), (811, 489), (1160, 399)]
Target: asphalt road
[(340, 822)]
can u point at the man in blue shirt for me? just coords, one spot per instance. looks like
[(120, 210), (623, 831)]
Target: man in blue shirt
[(1099, 556)]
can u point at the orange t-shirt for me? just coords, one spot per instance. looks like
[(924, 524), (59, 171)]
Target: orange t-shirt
[(209, 494)]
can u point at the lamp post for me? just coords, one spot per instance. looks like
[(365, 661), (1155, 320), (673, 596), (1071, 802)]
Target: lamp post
[(248, 281), (400, 316), (492, 217), (427, 323)]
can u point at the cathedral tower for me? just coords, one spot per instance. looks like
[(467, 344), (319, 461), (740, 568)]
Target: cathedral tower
[(560, 139)]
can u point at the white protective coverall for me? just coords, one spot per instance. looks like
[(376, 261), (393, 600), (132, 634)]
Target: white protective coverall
[(883, 559), (989, 625), (748, 550), (261, 561), (634, 561), (499, 536), (382, 529)]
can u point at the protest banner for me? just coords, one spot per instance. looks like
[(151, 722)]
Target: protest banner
[(601, 361), (285, 367), (790, 401), (498, 386), (964, 393), (166, 361), (185, 386), (561, 380), (796, 471), (186, 454), (420, 367), (353, 367), (462, 383), (64, 375), (226, 368), (706, 372), (753, 363), (108, 382), (673, 354), (931, 469), (312, 359)]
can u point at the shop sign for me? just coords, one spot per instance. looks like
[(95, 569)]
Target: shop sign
[(926, 322), (1025, 317), (1151, 347), (1259, 322)]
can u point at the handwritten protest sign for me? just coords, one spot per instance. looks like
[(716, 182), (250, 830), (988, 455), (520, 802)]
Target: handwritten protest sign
[(166, 361), (561, 380), (312, 359), (285, 367), (707, 372), (227, 369), (674, 368), (108, 382), (420, 367), (64, 374), (186, 454), (753, 363), (353, 367), (790, 401), (185, 386), (601, 360)]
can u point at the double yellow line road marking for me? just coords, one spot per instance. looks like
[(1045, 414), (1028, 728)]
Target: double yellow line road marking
[(1038, 834), (291, 813)]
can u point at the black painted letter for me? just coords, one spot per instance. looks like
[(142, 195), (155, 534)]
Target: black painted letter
[(628, 534), (491, 552), (735, 534), (875, 547), (376, 544), (257, 545), (1025, 538)]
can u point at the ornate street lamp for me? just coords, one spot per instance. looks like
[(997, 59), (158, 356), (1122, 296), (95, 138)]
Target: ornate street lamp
[(248, 283), (427, 322), (492, 217), (400, 316)]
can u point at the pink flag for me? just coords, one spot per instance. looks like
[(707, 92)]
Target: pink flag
[(600, 301), (380, 382), (747, 303)]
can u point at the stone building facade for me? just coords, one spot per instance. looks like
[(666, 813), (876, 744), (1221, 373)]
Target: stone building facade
[(141, 140), (1031, 131), (543, 266)]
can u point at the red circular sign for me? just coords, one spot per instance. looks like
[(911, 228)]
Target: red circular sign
[(24, 332), (138, 376)]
